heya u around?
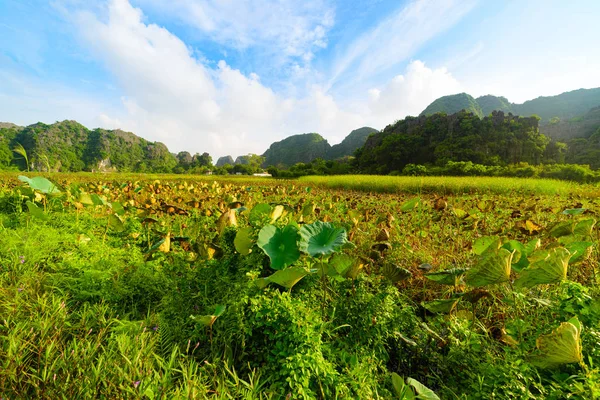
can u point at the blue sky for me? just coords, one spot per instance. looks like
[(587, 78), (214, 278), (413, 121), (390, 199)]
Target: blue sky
[(232, 76)]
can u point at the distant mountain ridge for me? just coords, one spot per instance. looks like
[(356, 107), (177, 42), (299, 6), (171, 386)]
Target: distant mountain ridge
[(563, 106), (70, 146), (306, 147)]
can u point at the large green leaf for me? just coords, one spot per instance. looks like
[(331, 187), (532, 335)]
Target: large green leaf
[(403, 391), (579, 251), (519, 260), (116, 223), (258, 213), (321, 238), (286, 277), (410, 204), (584, 227), (486, 243), (423, 392), (550, 269), (493, 268), (243, 242), (41, 184), (35, 211), (342, 263), (562, 346), (279, 244), (441, 306), (209, 320), (562, 229), (450, 276), (395, 273)]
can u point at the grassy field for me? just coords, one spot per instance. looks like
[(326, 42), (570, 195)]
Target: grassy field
[(148, 287), (443, 185)]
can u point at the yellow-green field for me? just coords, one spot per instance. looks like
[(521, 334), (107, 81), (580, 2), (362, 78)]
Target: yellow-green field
[(443, 185)]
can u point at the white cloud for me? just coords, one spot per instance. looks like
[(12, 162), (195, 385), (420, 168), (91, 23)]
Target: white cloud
[(411, 93), (395, 39), (285, 28), (168, 94)]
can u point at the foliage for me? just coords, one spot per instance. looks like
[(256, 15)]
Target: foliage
[(396, 314)]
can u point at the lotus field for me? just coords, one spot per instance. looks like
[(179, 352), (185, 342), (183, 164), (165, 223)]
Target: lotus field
[(164, 287)]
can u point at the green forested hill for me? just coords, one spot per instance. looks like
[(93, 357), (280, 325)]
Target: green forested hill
[(307, 147), (70, 146), (439, 138), (355, 140), (491, 103), (563, 106), (579, 127), (295, 149), (224, 160), (453, 104)]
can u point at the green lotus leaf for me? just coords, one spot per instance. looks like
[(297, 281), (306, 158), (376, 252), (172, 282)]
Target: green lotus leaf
[(395, 273), (410, 205), (321, 238), (36, 211), (258, 213), (116, 223), (286, 277), (493, 268), (279, 244), (342, 263), (519, 259), (117, 208), (486, 243), (209, 320), (562, 346), (579, 251), (41, 184), (550, 269), (441, 306), (403, 391), (422, 391), (584, 227), (574, 211), (532, 246), (562, 229), (450, 276), (243, 242)]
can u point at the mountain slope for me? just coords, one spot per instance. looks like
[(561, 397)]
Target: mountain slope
[(355, 140), (297, 148), (491, 103), (453, 104), (578, 127), (224, 160), (439, 138), (70, 146), (564, 106)]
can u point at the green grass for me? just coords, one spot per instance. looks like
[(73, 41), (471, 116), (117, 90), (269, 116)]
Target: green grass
[(447, 185), (89, 310)]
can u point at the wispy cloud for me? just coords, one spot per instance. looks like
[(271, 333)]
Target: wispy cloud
[(395, 39), (288, 31)]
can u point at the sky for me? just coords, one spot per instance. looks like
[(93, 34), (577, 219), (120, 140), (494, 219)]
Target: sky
[(230, 77)]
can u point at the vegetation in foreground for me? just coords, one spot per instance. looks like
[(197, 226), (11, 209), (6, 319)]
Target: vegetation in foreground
[(131, 288)]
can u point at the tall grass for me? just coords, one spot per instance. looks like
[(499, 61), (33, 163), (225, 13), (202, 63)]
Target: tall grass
[(448, 185)]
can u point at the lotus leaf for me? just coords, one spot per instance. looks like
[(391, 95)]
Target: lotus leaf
[(493, 268), (279, 244), (321, 238)]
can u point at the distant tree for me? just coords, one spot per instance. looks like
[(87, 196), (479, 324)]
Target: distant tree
[(202, 160), (184, 160)]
